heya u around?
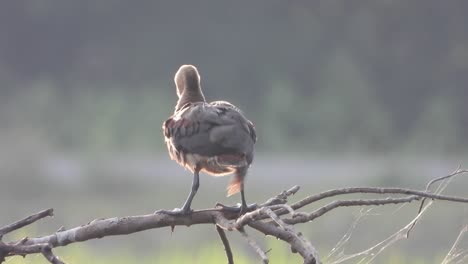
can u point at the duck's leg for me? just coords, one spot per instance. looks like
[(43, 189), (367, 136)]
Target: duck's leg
[(185, 210), (238, 186), (244, 207)]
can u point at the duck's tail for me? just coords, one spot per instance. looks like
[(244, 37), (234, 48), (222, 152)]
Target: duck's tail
[(237, 183)]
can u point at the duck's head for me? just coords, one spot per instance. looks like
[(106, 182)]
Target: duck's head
[(187, 80)]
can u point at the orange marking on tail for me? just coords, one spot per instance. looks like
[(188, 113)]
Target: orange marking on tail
[(235, 186)]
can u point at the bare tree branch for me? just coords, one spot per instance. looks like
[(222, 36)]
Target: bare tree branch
[(225, 241), (273, 209), (308, 253), (25, 221)]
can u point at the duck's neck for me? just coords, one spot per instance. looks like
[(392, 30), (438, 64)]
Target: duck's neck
[(189, 96), (187, 81)]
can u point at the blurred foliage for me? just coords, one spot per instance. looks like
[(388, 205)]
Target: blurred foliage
[(322, 75)]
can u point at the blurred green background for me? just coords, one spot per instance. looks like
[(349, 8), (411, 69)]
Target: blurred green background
[(342, 93)]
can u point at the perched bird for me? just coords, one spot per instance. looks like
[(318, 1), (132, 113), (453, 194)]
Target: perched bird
[(215, 138)]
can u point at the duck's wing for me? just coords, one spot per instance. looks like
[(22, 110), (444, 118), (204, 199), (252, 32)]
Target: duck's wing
[(210, 129)]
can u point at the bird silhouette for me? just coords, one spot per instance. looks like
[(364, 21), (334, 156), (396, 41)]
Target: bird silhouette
[(215, 138)]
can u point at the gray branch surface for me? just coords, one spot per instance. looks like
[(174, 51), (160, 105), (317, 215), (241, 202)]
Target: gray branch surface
[(274, 218)]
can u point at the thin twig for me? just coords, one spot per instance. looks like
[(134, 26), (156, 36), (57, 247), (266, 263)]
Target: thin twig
[(255, 246), (350, 190), (455, 173), (371, 253), (458, 171), (49, 255), (225, 241), (277, 220), (451, 255), (281, 198), (304, 217), (25, 221)]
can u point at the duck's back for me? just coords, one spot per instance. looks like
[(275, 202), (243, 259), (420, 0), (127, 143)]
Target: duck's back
[(209, 130)]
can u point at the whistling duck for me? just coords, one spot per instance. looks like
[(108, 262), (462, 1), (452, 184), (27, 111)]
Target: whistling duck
[(215, 138)]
